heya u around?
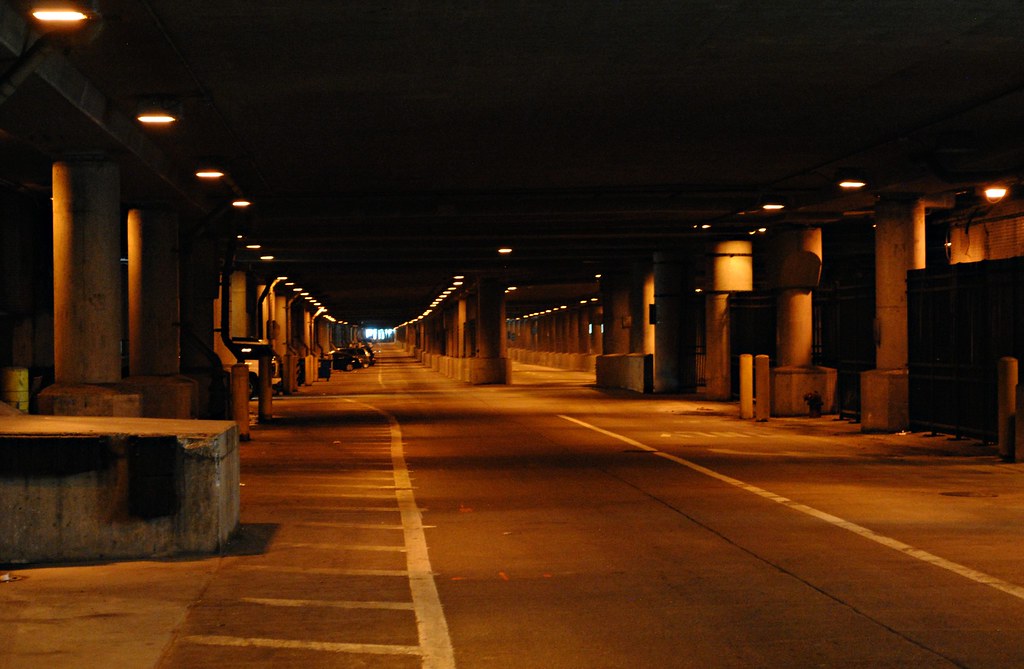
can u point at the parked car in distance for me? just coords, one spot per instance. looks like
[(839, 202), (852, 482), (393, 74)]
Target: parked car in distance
[(346, 360)]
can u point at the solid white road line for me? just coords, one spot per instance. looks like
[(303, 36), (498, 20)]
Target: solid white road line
[(332, 571), (303, 603), (895, 544), (435, 641), (296, 644)]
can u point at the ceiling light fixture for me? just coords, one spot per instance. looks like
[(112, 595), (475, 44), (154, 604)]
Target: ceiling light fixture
[(241, 204), (266, 257), (995, 193), (851, 179), (504, 250), (158, 111), (61, 11), (209, 173)]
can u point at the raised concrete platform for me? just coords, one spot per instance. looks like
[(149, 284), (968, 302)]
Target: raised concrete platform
[(88, 488)]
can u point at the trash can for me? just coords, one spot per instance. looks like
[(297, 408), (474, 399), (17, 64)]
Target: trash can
[(14, 387), (325, 369)]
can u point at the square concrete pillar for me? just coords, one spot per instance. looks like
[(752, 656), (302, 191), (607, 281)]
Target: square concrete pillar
[(791, 384), (885, 400)]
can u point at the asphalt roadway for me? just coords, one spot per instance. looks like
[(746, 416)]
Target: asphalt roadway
[(393, 518)]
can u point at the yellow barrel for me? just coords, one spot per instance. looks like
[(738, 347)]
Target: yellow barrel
[(14, 387)]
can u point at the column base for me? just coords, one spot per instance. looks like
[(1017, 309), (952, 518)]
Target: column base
[(884, 400), (483, 371), (789, 385), (89, 400), (165, 396)]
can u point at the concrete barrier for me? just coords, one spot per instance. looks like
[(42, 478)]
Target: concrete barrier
[(79, 488), (630, 371)]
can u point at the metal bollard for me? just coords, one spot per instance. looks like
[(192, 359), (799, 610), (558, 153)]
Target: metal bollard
[(746, 386), (240, 399), (762, 388)]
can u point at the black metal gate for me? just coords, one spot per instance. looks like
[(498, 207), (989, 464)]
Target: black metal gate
[(961, 319), (692, 336), (751, 329), (844, 339)]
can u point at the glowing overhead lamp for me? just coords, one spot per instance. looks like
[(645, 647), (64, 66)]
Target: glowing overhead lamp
[(995, 193), (770, 205), (62, 12), (504, 250), (158, 111), (210, 172), (253, 247), (240, 204), (851, 179), (266, 257)]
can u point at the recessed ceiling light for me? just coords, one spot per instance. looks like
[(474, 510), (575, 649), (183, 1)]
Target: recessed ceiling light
[(505, 250), (266, 257), (253, 246), (241, 204), (209, 173)]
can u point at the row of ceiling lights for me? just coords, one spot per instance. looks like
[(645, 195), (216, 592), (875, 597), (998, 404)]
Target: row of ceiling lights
[(59, 14), (301, 292)]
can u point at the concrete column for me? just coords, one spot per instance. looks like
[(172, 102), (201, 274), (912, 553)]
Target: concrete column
[(574, 337), (794, 272), (88, 322), (899, 247), (464, 348), (491, 363), (717, 370), (668, 282), (616, 317), (641, 297), (153, 317), (86, 271), (730, 269), (153, 337)]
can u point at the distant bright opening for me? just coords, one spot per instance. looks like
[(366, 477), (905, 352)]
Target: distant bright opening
[(379, 334)]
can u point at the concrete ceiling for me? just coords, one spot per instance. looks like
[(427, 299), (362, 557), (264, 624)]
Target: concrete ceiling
[(390, 145)]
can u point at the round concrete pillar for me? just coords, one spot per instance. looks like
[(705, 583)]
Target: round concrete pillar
[(795, 328), (796, 268), (899, 247), (668, 282), (153, 330), (717, 370), (86, 271)]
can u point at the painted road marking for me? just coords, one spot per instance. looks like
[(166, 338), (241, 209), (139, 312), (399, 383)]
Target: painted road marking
[(327, 571), (895, 544), (355, 526), (295, 644), (303, 603), (435, 641), (341, 547)]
